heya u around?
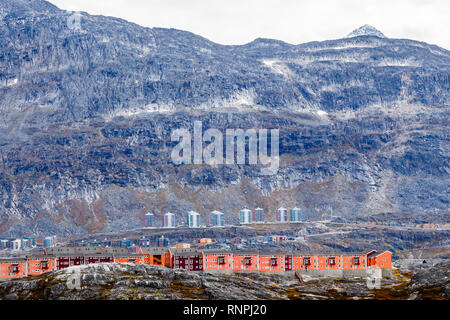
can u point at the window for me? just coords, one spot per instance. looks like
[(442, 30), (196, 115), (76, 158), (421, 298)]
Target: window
[(221, 260), (273, 262), (307, 261), (248, 261)]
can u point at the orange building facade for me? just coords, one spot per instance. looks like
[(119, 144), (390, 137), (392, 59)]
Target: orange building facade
[(13, 268), (39, 265), (156, 257), (217, 260), (246, 261), (129, 258), (382, 260), (272, 262)]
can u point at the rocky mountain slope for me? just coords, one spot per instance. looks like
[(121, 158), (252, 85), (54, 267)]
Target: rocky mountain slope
[(131, 281), (88, 105)]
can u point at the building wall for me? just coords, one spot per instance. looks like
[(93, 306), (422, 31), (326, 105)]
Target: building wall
[(129, 259), (101, 259), (382, 260), (239, 264), (211, 262), (298, 262), (68, 261), (7, 269), (288, 262), (348, 262), (163, 259), (265, 263), (190, 263), (36, 267)]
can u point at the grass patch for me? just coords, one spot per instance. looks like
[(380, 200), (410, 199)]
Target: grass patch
[(190, 292)]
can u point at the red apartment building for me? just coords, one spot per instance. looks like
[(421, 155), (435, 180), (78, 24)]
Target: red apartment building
[(187, 259), (194, 260)]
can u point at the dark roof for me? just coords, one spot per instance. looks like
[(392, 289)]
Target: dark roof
[(381, 252), (155, 250), (39, 257), (117, 250), (12, 259), (270, 253), (74, 250), (98, 255), (245, 253), (216, 251), (185, 252), (323, 253), (128, 255)]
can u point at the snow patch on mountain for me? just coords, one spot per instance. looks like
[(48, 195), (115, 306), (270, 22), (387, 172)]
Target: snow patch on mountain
[(242, 100), (390, 62), (278, 67), (342, 47), (136, 111), (9, 83), (366, 30), (403, 110)]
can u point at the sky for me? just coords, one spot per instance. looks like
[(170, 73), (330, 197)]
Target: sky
[(292, 21)]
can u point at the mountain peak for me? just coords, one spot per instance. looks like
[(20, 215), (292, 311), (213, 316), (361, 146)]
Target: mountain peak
[(366, 30)]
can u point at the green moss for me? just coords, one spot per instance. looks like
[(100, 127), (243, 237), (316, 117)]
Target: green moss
[(189, 292)]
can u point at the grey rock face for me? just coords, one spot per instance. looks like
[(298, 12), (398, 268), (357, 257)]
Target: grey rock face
[(131, 281), (86, 114)]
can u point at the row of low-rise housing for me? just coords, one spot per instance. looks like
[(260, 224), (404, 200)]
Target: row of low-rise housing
[(326, 264), (26, 243), (134, 244)]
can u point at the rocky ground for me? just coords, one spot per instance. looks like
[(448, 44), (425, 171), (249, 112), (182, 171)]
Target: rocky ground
[(411, 280)]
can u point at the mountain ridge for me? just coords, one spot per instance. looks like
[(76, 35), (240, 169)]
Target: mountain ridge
[(86, 116)]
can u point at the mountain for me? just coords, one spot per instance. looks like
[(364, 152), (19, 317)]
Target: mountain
[(366, 30), (88, 104)]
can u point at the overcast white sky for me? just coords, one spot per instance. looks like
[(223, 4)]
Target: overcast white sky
[(293, 21)]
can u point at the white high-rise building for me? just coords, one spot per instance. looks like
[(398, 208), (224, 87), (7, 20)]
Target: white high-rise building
[(296, 215), (245, 216), (281, 215), (169, 220), (16, 244), (259, 215), (217, 219), (193, 219), (49, 242), (149, 219)]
